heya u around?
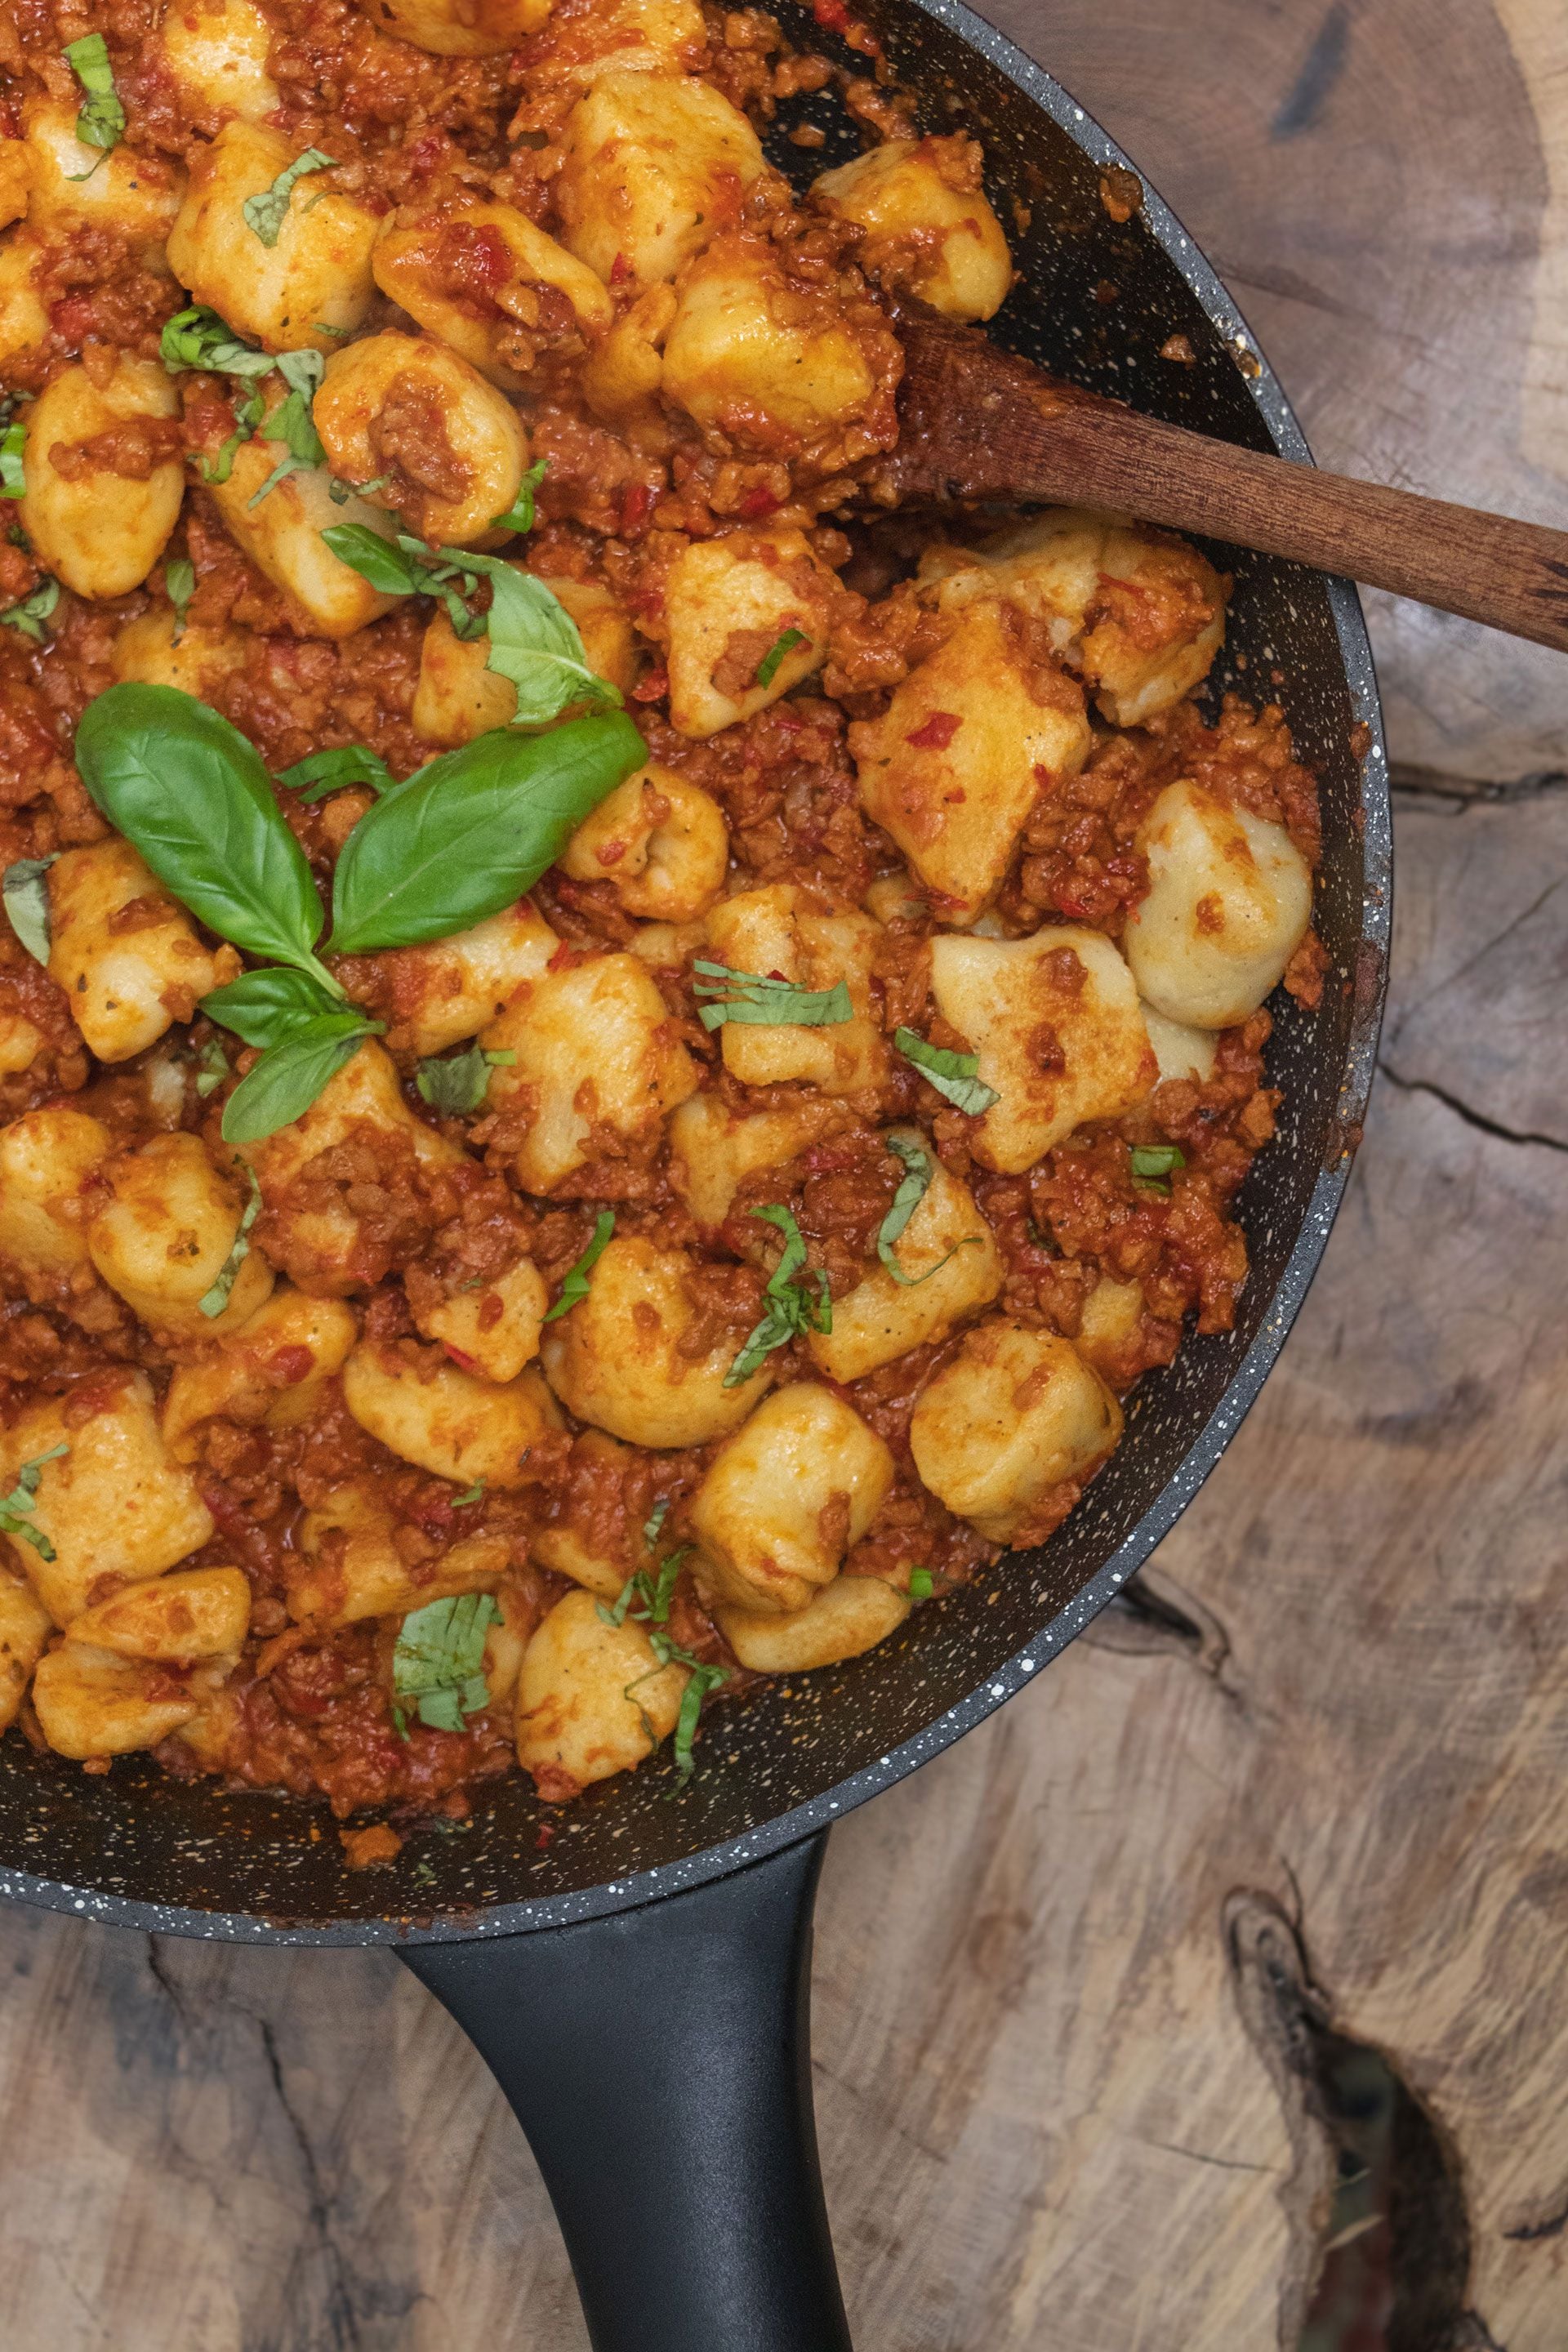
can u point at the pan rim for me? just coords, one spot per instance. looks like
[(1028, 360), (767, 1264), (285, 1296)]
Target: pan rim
[(532, 1913)]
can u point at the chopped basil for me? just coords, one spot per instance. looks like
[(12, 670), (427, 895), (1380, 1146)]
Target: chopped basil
[(248, 416), (475, 1494), (703, 1679), (768, 667), (410, 567), (920, 1584), (179, 587), (747, 996), (26, 898), (575, 1287), (440, 1660), (211, 1068), (31, 614), (654, 1593), (919, 1170), (792, 1310), (455, 1086), (292, 421), (956, 1076), (340, 493), (519, 516), (655, 1520), (217, 1297), (101, 121), (265, 214), (13, 443), (1154, 1164), (15, 1508), (329, 772), (198, 338)]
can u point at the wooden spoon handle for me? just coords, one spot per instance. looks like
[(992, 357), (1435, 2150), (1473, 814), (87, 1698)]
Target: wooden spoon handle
[(977, 422)]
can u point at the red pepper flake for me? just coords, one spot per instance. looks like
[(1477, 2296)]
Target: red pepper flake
[(937, 734), (546, 1832), (652, 686), (464, 1363), (562, 957), (620, 270), (637, 505), (758, 503), (831, 15)]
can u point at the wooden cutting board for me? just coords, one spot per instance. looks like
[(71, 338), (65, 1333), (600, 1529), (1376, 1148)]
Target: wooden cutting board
[(1079, 1982)]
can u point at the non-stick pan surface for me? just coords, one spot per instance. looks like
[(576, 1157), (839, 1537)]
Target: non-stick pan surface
[(137, 1849)]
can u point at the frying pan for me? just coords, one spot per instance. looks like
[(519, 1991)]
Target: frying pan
[(638, 1980)]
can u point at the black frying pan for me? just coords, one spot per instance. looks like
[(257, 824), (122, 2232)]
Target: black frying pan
[(638, 1983)]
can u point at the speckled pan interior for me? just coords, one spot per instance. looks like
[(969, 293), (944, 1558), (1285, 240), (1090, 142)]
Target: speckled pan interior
[(136, 1848)]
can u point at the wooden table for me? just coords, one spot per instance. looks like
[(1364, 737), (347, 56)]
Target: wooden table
[(1079, 1982)]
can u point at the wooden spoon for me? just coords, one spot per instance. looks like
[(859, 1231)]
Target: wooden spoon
[(979, 424)]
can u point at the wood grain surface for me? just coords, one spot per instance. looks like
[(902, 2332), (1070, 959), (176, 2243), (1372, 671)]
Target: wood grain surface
[(1077, 1981)]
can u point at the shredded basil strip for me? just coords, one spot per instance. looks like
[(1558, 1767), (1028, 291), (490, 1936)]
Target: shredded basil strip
[(265, 214), (792, 1310), (15, 1508), (956, 1076), (655, 1520), (292, 421), (26, 898), (31, 614), (13, 444), (575, 1287), (213, 1301), (1154, 1164), (211, 1068), (920, 1584), (101, 121), (340, 493), (453, 1087), (702, 1680), (179, 587), (199, 338), (655, 1593), (768, 667), (519, 515), (919, 1170), (440, 1660), (474, 1494), (329, 772), (747, 996)]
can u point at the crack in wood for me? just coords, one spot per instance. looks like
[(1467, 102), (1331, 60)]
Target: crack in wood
[(1530, 2233), (1407, 781), (1467, 1111)]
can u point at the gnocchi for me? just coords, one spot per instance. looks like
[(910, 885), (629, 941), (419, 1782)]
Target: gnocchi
[(653, 164), (1014, 1415), (309, 287), (1230, 897), (786, 1498), (103, 480), (749, 616), (128, 959), (625, 1358)]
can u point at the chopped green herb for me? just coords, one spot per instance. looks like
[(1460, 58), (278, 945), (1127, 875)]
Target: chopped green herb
[(536, 646), (340, 493), (217, 1297), (248, 416), (13, 444), (654, 1593), (26, 898), (15, 1508), (1154, 1164), (704, 1679), (457, 1085), (211, 1068), (199, 338), (655, 1520), (329, 772), (400, 1725), (919, 1170), (265, 214), (101, 121), (440, 1660), (292, 421), (956, 1076), (768, 667), (33, 611), (575, 1287), (920, 1584), (179, 587), (792, 1310), (519, 516), (767, 1003), (475, 1494)]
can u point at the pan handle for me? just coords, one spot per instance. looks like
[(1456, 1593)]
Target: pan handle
[(660, 2063)]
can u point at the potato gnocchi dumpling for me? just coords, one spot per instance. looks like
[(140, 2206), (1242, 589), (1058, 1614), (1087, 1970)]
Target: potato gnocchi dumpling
[(438, 995), (654, 165), (714, 1148), (1015, 1414), (748, 617), (104, 475), (846, 1617), (449, 449), (475, 274), (72, 186), (788, 933), (47, 1160), (129, 958), (447, 1420), (458, 696), (757, 362), (659, 841), (786, 1498), (270, 1372), (928, 228), (91, 1702), (352, 1565), (24, 1628), (592, 1698), (306, 290), (631, 1357), (168, 1238), (949, 1269), (490, 1327), (1230, 897), (280, 530), (216, 54), (158, 649), (459, 28)]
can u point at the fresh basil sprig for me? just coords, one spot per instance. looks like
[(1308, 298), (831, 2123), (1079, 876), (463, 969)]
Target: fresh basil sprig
[(574, 1289), (215, 1300), (264, 1007), (289, 1076), (440, 1660), (190, 793), (468, 834), (13, 447), (459, 1084), (101, 121), (519, 516), (749, 997), (792, 1310), (329, 772), (26, 898), (956, 1076), (265, 214), (16, 1508), (919, 1170), (768, 667), (31, 614)]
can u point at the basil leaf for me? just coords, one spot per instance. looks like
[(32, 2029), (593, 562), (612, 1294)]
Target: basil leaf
[(1154, 1164), (340, 493), (215, 1300), (655, 1520), (534, 643), (15, 1507), (921, 1584), (190, 793), (519, 516), (475, 1494), (452, 1087), (101, 121), (291, 422), (791, 1311), (468, 834), (956, 1076), (265, 214), (179, 587), (13, 443), (33, 611), (248, 416), (26, 898), (768, 667), (747, 996), (329, 772), (704, 1679), (387, 565), (291, 1073), (576, 1286), (211, 1068), (440, 1659), (198, 338), (919, 1170), (266, 1007)]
